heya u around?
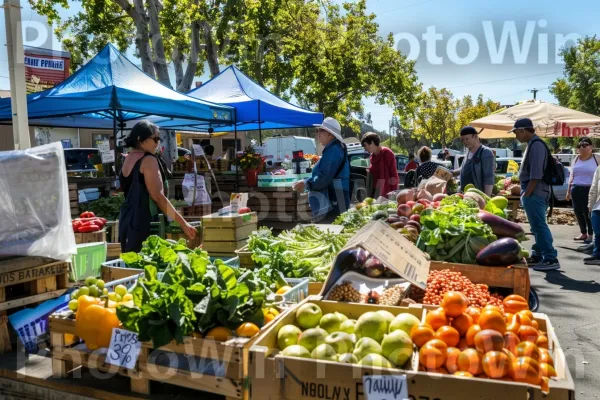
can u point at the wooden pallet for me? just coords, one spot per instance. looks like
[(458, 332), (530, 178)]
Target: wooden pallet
[(74, 200), (90, 237), (233, 356)]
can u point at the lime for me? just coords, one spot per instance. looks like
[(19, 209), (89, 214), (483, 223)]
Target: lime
[(112, 296), (94, 291), (90, 280), (121, 290), (73, 305), (83, 291), (75, 294), (100, 284)]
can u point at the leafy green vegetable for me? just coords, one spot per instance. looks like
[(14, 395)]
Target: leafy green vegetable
[(105, 207)]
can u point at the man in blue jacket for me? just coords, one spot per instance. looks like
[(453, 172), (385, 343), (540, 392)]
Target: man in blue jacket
[(329, 186)]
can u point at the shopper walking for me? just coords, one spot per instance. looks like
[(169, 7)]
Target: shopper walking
[(142, 177), (584, 166), (479, 165), (427, 167), (535, 194), (383, 169), (329, 186), (594, 205)]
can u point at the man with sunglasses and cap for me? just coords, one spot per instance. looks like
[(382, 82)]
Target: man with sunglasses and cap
[(479, 165), (535, 195), (329, 186)]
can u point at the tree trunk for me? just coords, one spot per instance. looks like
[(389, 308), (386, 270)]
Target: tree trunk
[(177, 58), (159, 59), (142, 42), (192, 65), (212, 56)]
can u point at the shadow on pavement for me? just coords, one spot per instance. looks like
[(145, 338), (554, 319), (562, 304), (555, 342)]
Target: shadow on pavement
[(559, 278)]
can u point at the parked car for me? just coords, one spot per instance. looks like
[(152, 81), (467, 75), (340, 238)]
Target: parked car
[(77, 159)]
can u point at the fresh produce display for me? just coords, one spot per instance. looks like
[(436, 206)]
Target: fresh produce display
[(366, 211), (305, 251), (377, 338), (441, 282), (192, 295), (88, 222), (468, 341), (105, 207), (510, 186), (345, 292)]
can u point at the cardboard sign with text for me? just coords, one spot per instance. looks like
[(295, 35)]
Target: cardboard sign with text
[(443, 174), (394, 250)]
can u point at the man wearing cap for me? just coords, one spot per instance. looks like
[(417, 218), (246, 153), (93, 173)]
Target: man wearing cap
[(480, 164), (535, 194), (329, 186)]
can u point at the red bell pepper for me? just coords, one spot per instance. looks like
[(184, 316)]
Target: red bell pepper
[(87, 214), (89, 228)]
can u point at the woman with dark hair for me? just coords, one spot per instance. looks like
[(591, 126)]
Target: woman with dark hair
[(427, 167), (383, 170), (142, 177)]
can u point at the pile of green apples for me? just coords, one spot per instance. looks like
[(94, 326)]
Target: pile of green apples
[(377, 338), (95, 287)]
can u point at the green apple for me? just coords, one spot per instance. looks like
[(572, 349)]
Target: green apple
[(331, 322), (296, 351), (341, 342), (389, 317), (324, 352), (308, 315), (348, 326), (375, 360), (347, 358), (287, 336), (371, 324), (404, 322), (366, 346), (311, 338), (342, 316), (397, 347), (90, 280)]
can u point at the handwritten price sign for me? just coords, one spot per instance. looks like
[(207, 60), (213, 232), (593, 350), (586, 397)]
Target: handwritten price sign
[(124, 348), (385, 387)]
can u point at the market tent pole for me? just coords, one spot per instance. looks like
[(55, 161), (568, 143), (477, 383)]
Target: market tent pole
[(16, 73), (115, 140), (237, 176), (259, 126)]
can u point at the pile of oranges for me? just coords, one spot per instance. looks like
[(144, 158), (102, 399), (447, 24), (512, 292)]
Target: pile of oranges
[(484, 342)]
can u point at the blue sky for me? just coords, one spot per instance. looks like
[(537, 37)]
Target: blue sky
[(454, 30)]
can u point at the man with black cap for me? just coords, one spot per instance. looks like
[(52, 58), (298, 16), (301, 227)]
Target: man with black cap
[(479, 165), (535, 194)]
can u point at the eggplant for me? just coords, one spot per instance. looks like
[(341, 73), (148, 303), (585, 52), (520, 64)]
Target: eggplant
[(505, 251), (351, 259), (502, 227), (374, 268)]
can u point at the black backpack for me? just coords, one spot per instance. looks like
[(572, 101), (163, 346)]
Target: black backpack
[(410, 180), (554, 171)]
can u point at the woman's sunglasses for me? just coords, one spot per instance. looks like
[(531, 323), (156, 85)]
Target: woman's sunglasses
[(155, 138), (583, 145)]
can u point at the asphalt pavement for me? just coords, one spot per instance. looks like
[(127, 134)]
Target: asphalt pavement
[(571, 298)]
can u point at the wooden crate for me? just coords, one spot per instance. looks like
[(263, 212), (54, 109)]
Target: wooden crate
[(112, 273), (513, 205), (279, 205), (90, 237), (276, 377), (74, 200), (113, 251), (315, 288), (513, 277), (245, 256), (228, 233)]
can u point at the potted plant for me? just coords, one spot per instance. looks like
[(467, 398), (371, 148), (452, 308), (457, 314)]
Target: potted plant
[(96, 161), (250, 162)]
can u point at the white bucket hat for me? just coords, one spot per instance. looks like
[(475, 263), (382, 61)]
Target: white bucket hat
[(332, 126)]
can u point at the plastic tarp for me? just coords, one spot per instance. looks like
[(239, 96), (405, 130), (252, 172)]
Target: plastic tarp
[(550, 120), (110, 83)]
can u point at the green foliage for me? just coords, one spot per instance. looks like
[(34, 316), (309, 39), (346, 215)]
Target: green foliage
[(105, 207)]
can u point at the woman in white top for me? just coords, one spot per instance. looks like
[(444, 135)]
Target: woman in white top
[(582, 174), (594, 206)]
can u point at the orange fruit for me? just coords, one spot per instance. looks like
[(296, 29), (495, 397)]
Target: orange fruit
[(508, 317), (247, 329), (527, 313), (547, 370), (474, 312), (514, 303), (421, 334), (463, 374), (511, 340), (462, 323), (495, 364), (470, 336), (528, 333), (436, 319), (283, 289), (528, 349), (451, 364), (510, 355), (542, 342), (492, 320), (433, 354), (219, 333), (545, 357), (489, 340), (462, 344), (490, 307), (454, 303), (526, 370), (470, 360), (448, 335), (535, 324)]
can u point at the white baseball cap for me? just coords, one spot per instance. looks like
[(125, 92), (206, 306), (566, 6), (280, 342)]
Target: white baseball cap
[(332, 126)]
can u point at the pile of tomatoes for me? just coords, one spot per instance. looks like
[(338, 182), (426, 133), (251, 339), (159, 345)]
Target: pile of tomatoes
[(469, 341), (88, 222)]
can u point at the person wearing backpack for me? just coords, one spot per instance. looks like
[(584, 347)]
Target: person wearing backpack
[(537, 174), (582, 173)]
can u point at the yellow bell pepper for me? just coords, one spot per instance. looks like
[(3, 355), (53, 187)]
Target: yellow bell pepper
[(94, 324)]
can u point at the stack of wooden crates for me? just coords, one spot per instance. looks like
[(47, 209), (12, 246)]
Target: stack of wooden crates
[(224, 234)]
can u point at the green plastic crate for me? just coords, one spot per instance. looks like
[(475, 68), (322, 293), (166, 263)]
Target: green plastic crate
[(88, 261)]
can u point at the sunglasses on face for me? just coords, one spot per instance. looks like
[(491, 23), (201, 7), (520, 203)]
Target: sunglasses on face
[(583, 145), (155, 138)]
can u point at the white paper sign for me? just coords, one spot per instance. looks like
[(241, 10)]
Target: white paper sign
[(103, 147), (187, 187), (385, 387), (198, 150), (124, 348), (107, 157)]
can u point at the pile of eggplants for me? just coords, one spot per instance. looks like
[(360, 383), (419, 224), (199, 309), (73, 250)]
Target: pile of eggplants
[(359, 260)]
